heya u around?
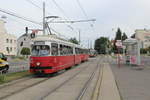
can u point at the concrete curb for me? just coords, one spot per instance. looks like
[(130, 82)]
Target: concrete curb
[(106, 87), (108, 90), (98, 84)]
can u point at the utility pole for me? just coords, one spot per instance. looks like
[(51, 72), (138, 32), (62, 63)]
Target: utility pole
[(91, 44), (88, 43), (79, 37), (44, 18)]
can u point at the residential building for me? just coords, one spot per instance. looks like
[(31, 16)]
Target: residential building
[(23, 41), (144, 36), (8, 42)]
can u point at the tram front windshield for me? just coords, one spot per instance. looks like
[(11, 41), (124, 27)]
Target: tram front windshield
[(40, 50)]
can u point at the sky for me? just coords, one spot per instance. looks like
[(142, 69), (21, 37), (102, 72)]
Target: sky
[(128, 15)]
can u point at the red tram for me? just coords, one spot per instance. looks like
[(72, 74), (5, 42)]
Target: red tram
[(92, 53), (50, 55)]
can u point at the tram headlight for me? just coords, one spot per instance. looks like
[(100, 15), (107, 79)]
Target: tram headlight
[(38, 63)]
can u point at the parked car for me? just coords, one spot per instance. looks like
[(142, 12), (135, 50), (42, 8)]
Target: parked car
[(4, 65)]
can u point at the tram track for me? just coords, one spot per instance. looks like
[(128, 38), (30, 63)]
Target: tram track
[(88, 93), (86, 85), (62, 84), (31, 85), (21, 88), (83, 90)]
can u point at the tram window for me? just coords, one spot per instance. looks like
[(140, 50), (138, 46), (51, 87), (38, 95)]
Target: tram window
[(65, 50), (40, 50), (80, 51), (54, 48), (77, 50), (61, 49), (70, 50)]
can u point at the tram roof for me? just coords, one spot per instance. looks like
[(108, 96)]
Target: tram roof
[(56, 39), (130, 41)]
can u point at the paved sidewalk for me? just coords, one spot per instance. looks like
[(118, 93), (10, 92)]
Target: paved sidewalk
[(133, 84), (108, 87)]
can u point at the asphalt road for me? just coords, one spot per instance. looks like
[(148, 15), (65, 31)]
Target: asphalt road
[(68, 85)]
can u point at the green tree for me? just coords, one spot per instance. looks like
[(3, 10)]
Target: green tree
[(118, 37), (143, 50), (74, 40), (101, 45), (133, 35), (124, 36), (118, 34), (25, 51)]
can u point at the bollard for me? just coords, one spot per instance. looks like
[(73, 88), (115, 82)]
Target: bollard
[(2, 77)]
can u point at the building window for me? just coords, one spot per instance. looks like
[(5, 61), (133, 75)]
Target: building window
[(10, 49), (21, 44), (11, 41), (7, 49), (7, 40), (14, 48)]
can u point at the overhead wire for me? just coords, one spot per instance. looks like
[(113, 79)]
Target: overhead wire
[(31, 2), (63, 12), (24, 18), (34, 4), (83, 11), (65, 15), (18, 16)]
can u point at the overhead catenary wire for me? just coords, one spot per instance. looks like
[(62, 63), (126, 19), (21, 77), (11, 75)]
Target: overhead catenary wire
[(63, 12), (24, 18), (31, 2), (60, 9), (34, 4), (84, 12), (18, 16), (82, 9)]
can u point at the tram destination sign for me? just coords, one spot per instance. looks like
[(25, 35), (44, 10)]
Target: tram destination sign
[(39, 43)]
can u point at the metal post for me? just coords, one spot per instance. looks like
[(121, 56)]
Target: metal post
[(79, 37), (138, 54), (44, 18), (88, 43)]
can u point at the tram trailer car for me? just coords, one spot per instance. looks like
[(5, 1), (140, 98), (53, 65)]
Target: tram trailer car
[(84, 55), (50, 55), (92, 53)]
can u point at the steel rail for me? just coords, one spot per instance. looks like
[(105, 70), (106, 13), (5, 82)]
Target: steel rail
[(62, 84), (86, 85), (21, 89)]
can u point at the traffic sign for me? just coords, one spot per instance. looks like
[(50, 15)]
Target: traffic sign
[(118, 43)]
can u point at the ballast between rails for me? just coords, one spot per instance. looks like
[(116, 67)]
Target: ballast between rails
[(51, 54)]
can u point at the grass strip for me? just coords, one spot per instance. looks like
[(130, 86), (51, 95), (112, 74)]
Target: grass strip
[(114, 57), (4, 78)]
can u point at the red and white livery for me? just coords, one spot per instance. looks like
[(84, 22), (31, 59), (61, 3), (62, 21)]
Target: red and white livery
[(51, 54)]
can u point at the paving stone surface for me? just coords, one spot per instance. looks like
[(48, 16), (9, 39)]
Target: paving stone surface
[(133, 84)]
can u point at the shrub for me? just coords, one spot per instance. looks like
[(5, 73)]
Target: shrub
[(25, 51)]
